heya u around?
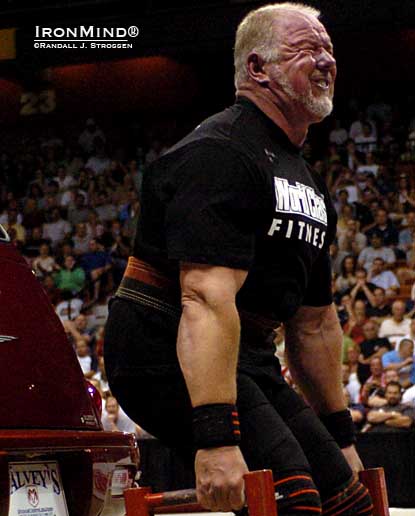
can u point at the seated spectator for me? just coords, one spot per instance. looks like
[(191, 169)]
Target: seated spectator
[(347, 277), (357, 319), (374, 384), (77, 329), (362, 290), (57, 229), (88, 136), (406, 234), (32, 215), (338, 134), (356, 128), (105, 210), (45, 263), (357, 410), (70, 277), (402, 361), (77, 210), (408, 396), (13, 224), (81, 239), (53, 293), (368, 167), (336, 257), (31, 249), (384, 227), (366, 141), (394, 415), (64, 180), (346, 216), (94, 226), (371, 347), (101, 376), (353, 156), (69, 308), (99, 161), (114, 419), (379, 276), (379, 307), (351, 240), (397, 325), (353, 385), (84, 357), (96, 263), (376, 249)]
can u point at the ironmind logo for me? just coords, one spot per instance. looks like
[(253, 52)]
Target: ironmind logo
[(299, 199)]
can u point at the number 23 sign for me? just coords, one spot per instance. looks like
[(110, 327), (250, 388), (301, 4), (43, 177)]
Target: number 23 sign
[(38, 103)]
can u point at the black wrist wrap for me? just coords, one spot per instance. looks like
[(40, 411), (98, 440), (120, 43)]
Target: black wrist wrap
[(341, 427), (216, 425)]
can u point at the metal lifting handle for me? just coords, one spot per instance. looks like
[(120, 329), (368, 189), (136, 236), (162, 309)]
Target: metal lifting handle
[(374, 480), (259, 492)]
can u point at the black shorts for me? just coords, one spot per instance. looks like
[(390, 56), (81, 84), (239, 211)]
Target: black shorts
[(279, 430)]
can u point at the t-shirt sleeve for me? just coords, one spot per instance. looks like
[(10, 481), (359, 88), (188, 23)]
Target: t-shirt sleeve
[(319, 287), (212, 216)]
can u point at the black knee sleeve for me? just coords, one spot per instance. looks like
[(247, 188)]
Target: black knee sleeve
[(351, 499), (297, 495)]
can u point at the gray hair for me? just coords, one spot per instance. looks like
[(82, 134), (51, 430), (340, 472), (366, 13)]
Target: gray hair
[(256, 33)]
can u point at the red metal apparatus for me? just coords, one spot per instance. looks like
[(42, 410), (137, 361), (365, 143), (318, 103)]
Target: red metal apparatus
[(374, 480), (259, 492)]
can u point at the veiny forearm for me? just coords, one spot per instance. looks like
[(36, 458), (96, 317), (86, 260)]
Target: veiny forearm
[(207, 347), (314, 347)]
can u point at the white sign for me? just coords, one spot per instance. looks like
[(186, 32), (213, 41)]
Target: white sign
[(36, 489)]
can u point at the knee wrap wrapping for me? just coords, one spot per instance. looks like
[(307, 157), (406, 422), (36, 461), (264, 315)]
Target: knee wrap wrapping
[(352, 499), (296, 494)]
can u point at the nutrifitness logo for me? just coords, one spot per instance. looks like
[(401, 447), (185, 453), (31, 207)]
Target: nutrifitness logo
[(84, 37)]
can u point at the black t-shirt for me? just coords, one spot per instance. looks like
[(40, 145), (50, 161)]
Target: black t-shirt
[(374, 311), (367, 348), (237, 193)]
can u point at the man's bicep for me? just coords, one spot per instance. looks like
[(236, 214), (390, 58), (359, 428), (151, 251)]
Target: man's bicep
[(210, 284)]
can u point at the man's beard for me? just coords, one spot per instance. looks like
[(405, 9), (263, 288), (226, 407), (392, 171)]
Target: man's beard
[(319, 107)]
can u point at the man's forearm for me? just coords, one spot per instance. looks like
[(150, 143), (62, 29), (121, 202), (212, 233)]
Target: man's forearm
[(314, 347), (207, 347)]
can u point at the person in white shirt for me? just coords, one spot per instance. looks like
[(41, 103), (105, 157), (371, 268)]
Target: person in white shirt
[(57, 229), (84, 358), (397, 325)]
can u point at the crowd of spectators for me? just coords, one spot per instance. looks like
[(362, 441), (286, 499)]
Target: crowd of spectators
[(71, 208), (369, 167)]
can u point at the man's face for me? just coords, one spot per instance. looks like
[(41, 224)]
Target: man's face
[(393, 395), (306, 68), (398, 309), (381, 217), (376, 242), (376, 366), (80, 322), (410, 218), (370, 330), (406, 349), (377, 266), (391, 376), (379, 296), (111, 406)]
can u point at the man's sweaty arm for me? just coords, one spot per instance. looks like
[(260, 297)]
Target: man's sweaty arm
[(207, 348), (313, 347)]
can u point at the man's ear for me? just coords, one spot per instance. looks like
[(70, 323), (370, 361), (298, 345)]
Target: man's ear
[(255, 66)]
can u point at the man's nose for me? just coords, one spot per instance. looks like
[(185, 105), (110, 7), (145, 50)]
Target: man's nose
[(325, 59)]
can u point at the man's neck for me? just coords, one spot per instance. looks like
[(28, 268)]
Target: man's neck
[(285, 117)]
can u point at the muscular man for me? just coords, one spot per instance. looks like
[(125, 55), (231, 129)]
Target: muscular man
[(233, 237)]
